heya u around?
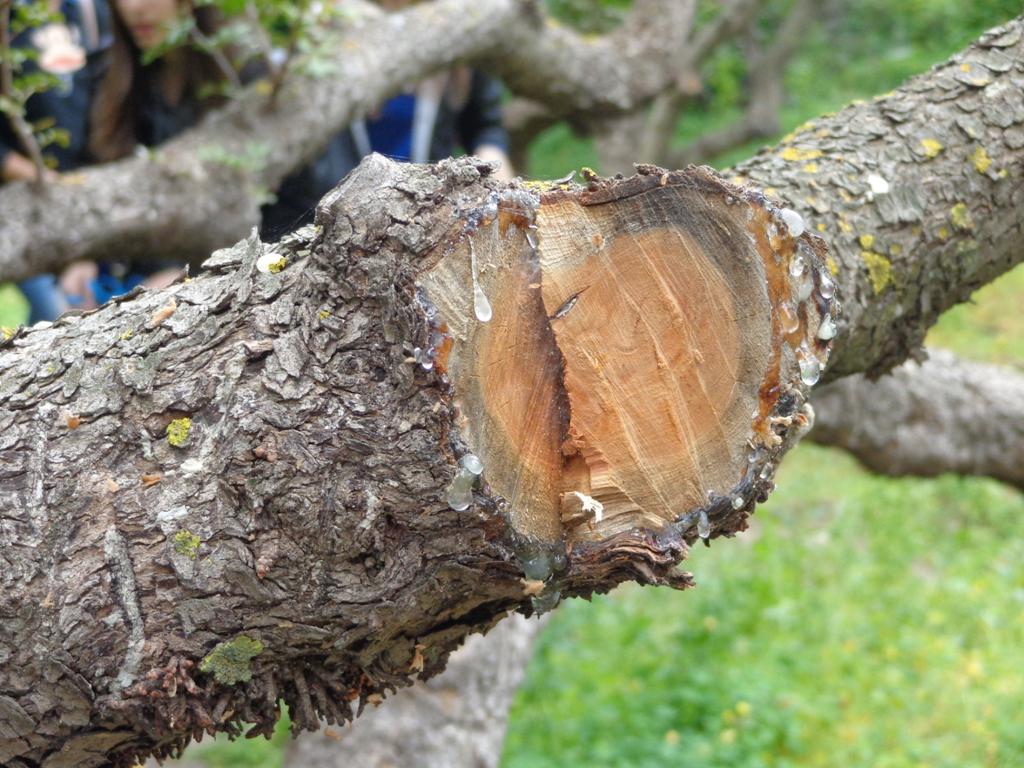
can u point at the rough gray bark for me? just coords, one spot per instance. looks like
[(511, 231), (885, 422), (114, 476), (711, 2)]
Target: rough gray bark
[(456, 719), (918, 194), (942, 415), (202, 190)]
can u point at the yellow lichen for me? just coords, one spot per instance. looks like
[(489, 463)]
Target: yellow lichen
[(879, 270), (230, 662), (811, 168), (795, 154), (965, 67), (186, 543), (981, 160), (895, 249), (833, 267), (127, 334), (177, 431), (845, 226), (820, 226), (867, 242), (943, 233), (961, 217), (931, 147), (323, 314), (7, 332)]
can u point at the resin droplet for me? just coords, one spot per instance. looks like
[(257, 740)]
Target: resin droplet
[(788, 318), (826, 287), (738, 502), (424, 357), (878, 185), (531, 240), (481, 306), (793, 220), (804, 286), (766, 472), (810, 367), (472, 464), (460, 492), (546, 601), (796, 266), (537, 566), (703, 526), (827, 329)]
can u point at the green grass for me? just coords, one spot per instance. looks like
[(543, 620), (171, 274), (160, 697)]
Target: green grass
[(13, 307), (862, 621)]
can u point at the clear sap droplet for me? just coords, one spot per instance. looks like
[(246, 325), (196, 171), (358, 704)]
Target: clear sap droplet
[(810, 367), (537, 566), (472, 464), (793, 220), (788, 317), (797, 265), (766, 472), (546, 601), (703, 525), (804, 286), (738, 502), (425, 357), (827, 329), (460, 492), (531, 240), (481, 306), (826, 287)]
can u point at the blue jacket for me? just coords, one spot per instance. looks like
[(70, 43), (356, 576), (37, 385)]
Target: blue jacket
[(474, 123)]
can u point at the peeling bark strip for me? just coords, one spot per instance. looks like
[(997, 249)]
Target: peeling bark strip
[(347, 484)]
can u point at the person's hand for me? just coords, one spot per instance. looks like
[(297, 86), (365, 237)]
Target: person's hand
[(17, 167), (495, 154), (75, 283)]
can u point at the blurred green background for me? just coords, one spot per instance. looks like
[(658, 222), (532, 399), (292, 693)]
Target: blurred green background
[(862, 621)]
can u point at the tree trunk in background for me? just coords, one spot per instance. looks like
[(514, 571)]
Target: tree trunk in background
[(456, 719), (943, 415)]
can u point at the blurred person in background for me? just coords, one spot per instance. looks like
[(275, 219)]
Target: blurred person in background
[(428, 121), (70, 48), (145, 104)]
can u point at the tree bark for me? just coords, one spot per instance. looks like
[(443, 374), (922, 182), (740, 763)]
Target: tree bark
[(202, 190), (244, 488), (456, 719)]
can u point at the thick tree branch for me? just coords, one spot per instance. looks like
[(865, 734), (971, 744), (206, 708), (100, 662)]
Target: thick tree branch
[(202, 190), (942, 415), (919, 194)]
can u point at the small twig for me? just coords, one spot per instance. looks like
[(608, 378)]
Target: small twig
[(219, 58), (293, 44), (21, 128), (265, 46)]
